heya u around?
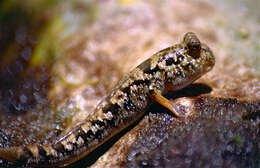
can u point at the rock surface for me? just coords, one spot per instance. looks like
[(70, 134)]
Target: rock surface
[(222, 129)]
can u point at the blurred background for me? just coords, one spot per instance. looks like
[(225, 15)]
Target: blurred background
[(59, 58)]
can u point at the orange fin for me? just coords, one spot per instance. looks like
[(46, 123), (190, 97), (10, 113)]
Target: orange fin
[(159, 98)]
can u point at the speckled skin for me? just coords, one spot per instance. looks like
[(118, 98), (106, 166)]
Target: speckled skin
[(170, 69)]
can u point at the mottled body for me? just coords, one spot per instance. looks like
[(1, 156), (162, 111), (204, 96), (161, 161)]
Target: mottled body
[(170, 69)]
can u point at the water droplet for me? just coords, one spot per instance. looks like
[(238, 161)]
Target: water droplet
[(23, 98)]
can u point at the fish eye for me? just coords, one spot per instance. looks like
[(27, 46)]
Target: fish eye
[(195, 46), (192, 44)]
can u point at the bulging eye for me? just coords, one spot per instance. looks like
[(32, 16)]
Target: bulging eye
[(195, 46), (192, 44)]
